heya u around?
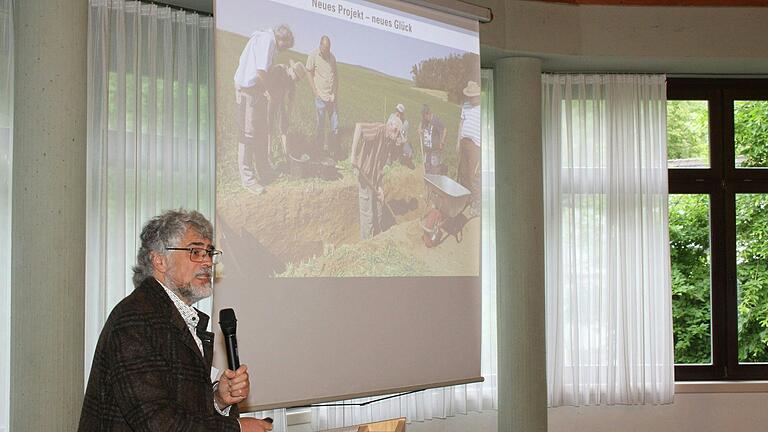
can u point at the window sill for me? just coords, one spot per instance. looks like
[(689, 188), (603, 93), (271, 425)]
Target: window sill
[(686, 387)]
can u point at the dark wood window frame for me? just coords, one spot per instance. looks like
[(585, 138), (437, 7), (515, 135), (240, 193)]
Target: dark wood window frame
[(722, 181)]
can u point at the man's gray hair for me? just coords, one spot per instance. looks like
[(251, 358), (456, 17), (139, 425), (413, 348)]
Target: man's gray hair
[(166, 230), (284, 33)]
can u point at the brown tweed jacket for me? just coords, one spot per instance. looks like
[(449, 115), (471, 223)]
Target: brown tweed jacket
[(147, 372)]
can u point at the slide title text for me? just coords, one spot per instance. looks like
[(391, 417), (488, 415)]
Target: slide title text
[(357, 14)]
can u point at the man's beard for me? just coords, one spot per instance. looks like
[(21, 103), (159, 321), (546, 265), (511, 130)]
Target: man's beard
[(192, 294)]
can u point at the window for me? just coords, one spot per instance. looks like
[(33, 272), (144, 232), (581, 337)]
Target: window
[(717, 149)]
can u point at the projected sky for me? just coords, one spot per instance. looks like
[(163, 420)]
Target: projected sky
[(352, 41)]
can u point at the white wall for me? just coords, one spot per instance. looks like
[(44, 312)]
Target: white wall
[(722, 412), (626, 38), (707, 412)]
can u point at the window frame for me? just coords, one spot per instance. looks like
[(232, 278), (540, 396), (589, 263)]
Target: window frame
[(721, 181)]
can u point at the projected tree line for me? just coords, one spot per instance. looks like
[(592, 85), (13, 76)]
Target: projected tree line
[(448, 74)]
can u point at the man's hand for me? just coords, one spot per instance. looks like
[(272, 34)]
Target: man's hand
[(249, 424), (233, 387)]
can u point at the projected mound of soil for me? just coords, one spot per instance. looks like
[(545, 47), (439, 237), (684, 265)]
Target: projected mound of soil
[(310, 228)]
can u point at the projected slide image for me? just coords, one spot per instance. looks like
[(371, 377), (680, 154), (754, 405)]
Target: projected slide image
[(347, 141)]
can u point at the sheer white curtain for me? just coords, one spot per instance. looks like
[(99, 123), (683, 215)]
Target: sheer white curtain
[(448, 401), (150, 138), (6, 168), (608, 291)]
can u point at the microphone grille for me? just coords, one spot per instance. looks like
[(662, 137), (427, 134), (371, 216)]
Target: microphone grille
[(227, 321)]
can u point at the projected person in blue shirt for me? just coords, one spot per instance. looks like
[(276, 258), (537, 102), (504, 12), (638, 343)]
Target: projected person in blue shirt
[(432, 135), (324, 80)]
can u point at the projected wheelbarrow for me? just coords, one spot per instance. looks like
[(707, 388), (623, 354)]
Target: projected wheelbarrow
[(449, 199)]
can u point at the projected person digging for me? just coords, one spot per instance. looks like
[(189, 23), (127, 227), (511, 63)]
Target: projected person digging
[(372, 145)]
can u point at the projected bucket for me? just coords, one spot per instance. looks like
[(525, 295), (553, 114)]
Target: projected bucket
[(301, 167)]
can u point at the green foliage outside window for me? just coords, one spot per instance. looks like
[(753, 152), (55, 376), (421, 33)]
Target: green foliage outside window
[(688, 130), (752, 276), (751, 133), (689, 237), (689, 251), (751, 140)]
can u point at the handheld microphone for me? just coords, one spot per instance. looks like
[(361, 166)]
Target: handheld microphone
[(228, 324)]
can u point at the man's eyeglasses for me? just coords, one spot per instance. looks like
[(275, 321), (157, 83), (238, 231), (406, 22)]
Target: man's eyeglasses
[(197, 254)]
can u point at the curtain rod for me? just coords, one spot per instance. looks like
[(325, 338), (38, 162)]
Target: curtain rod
[(177, 7)]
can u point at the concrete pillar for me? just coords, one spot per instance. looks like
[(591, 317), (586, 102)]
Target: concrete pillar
[(520, 245), (48, 228)]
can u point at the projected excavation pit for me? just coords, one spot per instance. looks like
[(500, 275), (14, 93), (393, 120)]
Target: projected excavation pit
[(311, 228)]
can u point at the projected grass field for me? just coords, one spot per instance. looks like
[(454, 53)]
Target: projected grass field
[(309, 227)]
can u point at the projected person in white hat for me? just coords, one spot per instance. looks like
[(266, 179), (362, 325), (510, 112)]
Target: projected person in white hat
[(468, 146), (324, 80), (252, 97), (401, 149)]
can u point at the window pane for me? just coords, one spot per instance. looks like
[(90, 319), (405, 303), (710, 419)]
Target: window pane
[(751, 133), (752, 276), (687, 134), (691, 281)]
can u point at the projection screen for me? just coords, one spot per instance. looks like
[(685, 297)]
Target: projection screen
[(348, 196)]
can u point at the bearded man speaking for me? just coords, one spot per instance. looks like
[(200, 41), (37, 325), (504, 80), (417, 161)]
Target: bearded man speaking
[(152, 366)]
